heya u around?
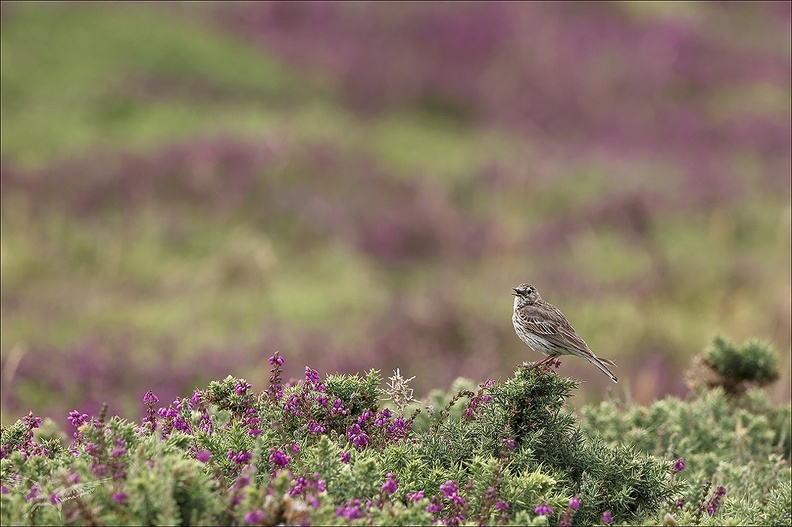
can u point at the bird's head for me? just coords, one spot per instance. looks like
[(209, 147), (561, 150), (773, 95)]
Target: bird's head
[(525, 294)]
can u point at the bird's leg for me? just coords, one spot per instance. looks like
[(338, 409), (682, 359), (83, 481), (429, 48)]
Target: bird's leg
[(531, 365), (540, 363), (548, 363)]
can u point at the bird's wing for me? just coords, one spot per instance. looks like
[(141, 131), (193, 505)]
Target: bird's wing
[(537, 324), (552, 325)]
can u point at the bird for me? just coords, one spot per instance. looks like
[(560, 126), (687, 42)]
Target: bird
[(545, 329)]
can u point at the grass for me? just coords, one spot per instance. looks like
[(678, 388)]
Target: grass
[(73, 82)]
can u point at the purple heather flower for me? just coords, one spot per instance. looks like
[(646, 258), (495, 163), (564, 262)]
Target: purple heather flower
[(543, 509), (338, 408), (502, 506), (252, 423), (205, 422), (275, 390), (242, 481), (715, 502), (678, 465), (120, 498), (508, 443), (312, 375), (150, 398), (391, 484), (345, 456), (434, 507), (241, 457), (242, 387), (299, 485), (470, 411), (203, 456), (399, 428), (357, 437), (412, 497), (680, 503), (292, 404), (195, 400), (33, 494), (3, 490), (382, 417), (350, 511), (364, 417), (316, 428), (182, 425), (278, 458), (607, 518), (254, 517), (31, 421), (477, 400), (449, 488), (574, 504), (77, 419)]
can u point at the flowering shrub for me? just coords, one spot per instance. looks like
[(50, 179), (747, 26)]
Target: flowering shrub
[(325, 451)]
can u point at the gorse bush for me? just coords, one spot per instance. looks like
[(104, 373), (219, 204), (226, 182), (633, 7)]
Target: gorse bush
[(332, 451), (726, 437), (735, 369)]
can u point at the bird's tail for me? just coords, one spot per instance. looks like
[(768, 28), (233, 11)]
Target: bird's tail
[(600, 363)]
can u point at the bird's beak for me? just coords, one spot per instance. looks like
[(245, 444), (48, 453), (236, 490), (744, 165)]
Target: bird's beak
[(516, 292)]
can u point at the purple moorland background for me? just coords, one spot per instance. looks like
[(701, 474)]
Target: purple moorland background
[(663, 105)]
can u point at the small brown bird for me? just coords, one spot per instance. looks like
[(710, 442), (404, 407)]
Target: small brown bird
[(546, 330)]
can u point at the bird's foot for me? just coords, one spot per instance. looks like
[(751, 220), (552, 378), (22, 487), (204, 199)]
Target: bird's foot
[(546, 365), (549, 364)]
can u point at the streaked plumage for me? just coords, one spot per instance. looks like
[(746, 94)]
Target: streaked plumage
[(546, 330)]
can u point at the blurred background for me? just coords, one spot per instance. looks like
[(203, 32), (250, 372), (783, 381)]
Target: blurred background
[(189, 187)]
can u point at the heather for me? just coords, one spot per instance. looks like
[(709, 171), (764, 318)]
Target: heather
[(346, 449)]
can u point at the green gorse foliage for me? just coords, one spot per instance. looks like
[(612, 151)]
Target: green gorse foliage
[(329, 451), (754, 361), (727, 436)]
